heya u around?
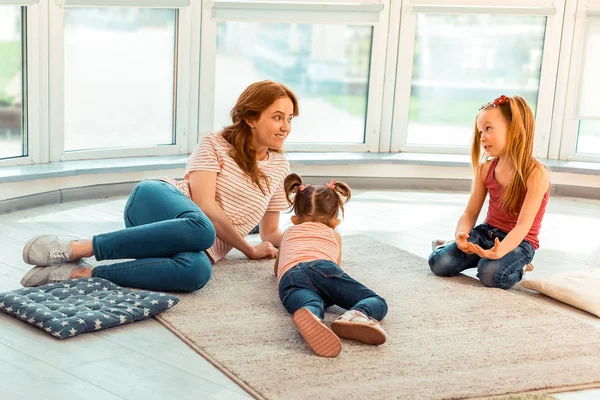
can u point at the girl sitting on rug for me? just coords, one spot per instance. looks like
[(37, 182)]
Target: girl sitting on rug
[(308, 268), (503, 246)]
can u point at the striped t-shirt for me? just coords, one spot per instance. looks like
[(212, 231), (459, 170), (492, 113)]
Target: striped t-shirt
[(241, 200), (308, 241)]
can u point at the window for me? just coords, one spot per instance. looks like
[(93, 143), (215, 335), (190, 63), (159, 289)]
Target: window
[(13, 141), (588, 139), (327, 67), (459, 65), (119, 77)]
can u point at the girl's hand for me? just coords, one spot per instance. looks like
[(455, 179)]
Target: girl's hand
[(263, 250), (462, 244), (491, 254)]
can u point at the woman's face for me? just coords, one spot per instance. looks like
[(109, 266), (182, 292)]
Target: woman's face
[(274, 124)]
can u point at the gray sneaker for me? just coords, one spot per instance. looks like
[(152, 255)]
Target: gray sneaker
[(47, 250), (39, 276)]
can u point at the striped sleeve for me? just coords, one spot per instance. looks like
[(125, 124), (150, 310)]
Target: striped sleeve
[(278, 201), (206, 156)]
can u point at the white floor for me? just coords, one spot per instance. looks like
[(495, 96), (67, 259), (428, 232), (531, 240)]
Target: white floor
[(145, 361)]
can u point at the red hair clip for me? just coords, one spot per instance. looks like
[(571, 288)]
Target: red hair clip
[(331, 185), (498, 101)]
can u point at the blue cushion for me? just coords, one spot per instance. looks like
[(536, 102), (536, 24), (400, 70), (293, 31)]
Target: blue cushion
[(75, 306)]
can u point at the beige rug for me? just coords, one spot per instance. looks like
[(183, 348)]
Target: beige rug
[(448, 337)]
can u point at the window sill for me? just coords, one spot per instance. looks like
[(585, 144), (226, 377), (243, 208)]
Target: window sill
[(137, 164), (147, 164)]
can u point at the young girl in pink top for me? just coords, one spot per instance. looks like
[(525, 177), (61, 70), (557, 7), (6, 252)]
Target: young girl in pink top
[(308, 268), (518, 185)]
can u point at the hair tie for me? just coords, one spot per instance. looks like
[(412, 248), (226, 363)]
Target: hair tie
[(331, 185), (302, 187)]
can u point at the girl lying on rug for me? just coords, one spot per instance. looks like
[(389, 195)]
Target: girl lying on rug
[(308, 268), (503, 246)]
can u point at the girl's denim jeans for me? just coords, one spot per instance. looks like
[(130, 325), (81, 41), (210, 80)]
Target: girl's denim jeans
[(318, 284), (504, 273)]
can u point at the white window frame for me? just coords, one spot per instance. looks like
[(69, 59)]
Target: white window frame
[(352, 12), (571, 73), (182, 78), (553, 10), (35, 70)]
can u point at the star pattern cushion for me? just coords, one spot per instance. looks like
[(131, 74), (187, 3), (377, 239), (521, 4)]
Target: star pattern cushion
[(75, 306)]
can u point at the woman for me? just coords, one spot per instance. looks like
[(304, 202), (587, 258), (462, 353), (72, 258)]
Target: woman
[(177, 230)]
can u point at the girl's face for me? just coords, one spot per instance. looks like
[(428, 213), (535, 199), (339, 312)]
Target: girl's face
[(493, 130), (274, 124)]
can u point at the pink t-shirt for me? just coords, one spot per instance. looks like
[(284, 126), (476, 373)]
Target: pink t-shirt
[(241, 200), (305, 242), (499, 218)]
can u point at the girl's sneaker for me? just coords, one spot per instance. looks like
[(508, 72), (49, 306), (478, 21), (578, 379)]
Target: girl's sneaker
[(436, 244), (319, 337), (357, 326)]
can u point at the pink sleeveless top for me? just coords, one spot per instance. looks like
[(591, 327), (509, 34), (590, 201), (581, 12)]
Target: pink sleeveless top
[(504, 221)]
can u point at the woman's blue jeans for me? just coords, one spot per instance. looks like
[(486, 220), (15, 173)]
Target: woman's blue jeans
[(166, 235)]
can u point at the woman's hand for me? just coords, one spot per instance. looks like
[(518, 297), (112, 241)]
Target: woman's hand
[(263, 250), (492, 254), (462, 244)]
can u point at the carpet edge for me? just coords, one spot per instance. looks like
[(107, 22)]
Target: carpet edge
[(211, 360), (548, 391)]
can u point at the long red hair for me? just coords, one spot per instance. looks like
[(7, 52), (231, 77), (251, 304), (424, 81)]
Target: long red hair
[(252, 102)]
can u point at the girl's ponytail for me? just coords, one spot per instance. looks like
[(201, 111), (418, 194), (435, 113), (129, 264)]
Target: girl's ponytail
[(290, 185)]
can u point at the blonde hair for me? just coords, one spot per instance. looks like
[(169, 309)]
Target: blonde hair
[(519, 147)]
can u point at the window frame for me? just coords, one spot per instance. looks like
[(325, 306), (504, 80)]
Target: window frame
[(410, 10), (35, 85), (181, 93), (348, 13), (566, 134)]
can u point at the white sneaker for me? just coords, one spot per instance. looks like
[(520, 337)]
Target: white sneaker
[(436, 244), (528, 268), (357, 326)]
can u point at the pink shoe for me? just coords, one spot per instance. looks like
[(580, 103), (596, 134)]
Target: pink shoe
[(357, 326), (319, 337)]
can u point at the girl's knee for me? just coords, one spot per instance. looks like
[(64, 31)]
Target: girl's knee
[(493, 274), (441, 263)]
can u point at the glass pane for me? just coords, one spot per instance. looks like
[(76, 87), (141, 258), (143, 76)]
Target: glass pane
[(12, 133), (588, 140), (326, 66), (590, 65), (464, 61), (119, 77)]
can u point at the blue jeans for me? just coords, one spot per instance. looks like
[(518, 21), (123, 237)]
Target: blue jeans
[(503, 273), (318, 284), (166, 235)]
